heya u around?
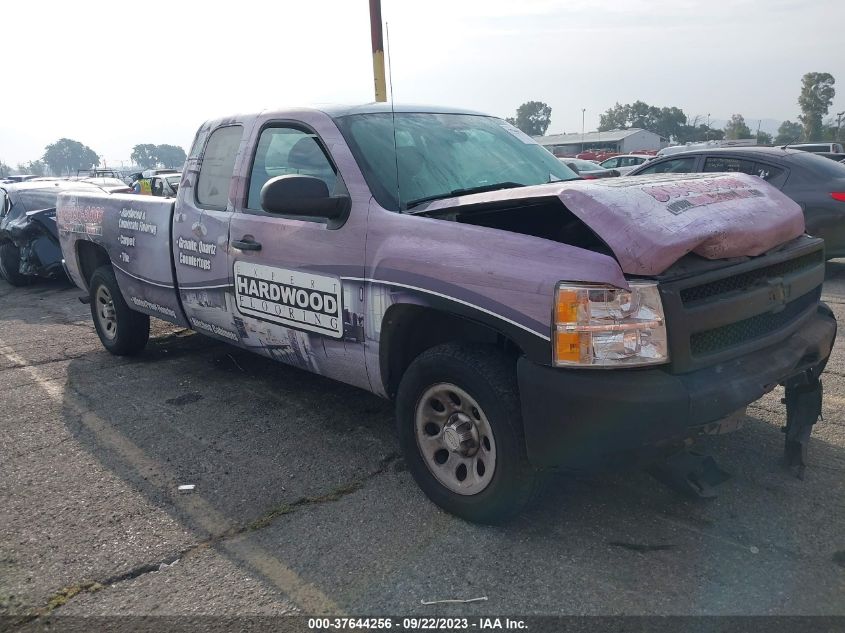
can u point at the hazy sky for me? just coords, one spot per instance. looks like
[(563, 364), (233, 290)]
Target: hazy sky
[(114, 74)]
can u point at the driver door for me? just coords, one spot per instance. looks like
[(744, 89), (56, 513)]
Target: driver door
[(297, 282)]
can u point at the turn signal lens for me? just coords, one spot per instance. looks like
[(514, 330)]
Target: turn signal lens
[(605, 326)]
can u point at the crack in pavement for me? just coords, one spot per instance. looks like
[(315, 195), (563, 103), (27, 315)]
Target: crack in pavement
[(308, 597), (41, 363), (66, 594)]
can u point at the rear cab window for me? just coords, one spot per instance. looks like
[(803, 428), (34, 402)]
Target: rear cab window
[(218, 163)]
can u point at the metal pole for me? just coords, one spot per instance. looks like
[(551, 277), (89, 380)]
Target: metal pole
[(378, 50), (839, 116), (583, 110)]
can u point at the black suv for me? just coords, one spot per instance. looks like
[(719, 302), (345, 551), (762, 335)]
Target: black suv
[(814, 182)]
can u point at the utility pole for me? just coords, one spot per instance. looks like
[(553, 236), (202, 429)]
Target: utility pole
[(757, 138), (839, 116), (378, 50), (583, 110)]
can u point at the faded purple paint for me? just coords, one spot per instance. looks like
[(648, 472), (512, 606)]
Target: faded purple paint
[(381, 258), (650, 222)]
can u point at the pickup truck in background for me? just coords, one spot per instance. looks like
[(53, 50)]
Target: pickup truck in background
[(521, 318)]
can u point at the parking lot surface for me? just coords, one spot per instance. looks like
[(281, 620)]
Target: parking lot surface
[(301, 503)]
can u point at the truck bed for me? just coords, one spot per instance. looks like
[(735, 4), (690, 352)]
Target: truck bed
[(135, 232)]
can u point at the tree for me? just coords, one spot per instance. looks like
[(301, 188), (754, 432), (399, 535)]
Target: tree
[(144, 155), (788, 132), (736, 128), (149, 156), (36, 168), (764, 138), (615, 118), (533, 118), (701, 132), (816, 97), (5, 170), (668, 122), (66, 156), (170, 156)]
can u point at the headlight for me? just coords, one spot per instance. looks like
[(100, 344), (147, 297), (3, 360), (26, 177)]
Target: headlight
[(606, 326)]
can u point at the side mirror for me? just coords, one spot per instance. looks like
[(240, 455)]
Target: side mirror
[(300, 195)]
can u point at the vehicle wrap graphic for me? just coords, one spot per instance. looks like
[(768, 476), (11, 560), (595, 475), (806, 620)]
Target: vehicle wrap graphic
[(289, 297)]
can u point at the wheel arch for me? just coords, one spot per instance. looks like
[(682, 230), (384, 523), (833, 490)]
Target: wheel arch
[(409, 329), (90, 256)]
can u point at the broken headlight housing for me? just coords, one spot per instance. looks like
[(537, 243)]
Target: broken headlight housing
[(604, 326)]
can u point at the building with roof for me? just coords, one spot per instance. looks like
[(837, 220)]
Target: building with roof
[(619, 141)]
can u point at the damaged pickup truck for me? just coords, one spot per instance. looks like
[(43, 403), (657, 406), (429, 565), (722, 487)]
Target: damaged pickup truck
[(521, 318)]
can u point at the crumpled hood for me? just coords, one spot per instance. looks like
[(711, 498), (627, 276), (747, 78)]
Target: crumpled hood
[(650, 222)]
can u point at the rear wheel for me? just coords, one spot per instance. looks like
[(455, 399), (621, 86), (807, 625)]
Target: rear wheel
[(10, 261), (460, 430), (122, 331)]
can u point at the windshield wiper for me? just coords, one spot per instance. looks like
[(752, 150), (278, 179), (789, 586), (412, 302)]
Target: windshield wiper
[(463, 192)]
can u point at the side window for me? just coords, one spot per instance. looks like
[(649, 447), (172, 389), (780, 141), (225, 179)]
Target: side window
[(157, 187), (674, 166), (218, 162), (288, 150), (723, 163), (771, 174), (610, 164)]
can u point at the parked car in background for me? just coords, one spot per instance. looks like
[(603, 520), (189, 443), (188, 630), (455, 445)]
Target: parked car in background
[(165, 185), (110, 185), (625, 162), (587, 169), (819, 148), (20, 177), (814, 182), (157, 182), (29, 239)]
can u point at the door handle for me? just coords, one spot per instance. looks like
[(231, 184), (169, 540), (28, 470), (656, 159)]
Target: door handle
[(246, 245)]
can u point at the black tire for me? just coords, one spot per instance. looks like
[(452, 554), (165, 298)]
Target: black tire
[(488, 377), (10, 257), (127, 332)]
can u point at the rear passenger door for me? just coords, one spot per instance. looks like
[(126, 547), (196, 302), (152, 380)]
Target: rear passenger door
[(297, 282), (201, 230)]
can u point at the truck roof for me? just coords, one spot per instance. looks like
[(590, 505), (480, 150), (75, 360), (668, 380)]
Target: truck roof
[(337, 110)]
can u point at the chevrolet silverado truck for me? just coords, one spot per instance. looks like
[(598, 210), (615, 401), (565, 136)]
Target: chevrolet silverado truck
[(522, 319)]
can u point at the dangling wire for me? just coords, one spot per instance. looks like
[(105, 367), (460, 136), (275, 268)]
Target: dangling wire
[(393, 115)]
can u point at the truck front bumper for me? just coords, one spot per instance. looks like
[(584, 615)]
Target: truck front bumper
[(587, 419)]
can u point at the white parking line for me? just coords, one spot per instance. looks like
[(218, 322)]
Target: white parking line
[(305, 595)]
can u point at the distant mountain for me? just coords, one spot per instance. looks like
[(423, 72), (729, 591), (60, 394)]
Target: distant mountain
[(770, 126)]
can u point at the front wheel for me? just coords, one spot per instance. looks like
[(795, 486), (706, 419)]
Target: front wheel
[(460, 430), (122, 331)]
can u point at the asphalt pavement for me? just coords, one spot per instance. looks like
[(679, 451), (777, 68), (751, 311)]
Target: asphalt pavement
[(301, 503)]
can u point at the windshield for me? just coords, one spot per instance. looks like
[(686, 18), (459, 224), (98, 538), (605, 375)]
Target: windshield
[(439, 154)]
